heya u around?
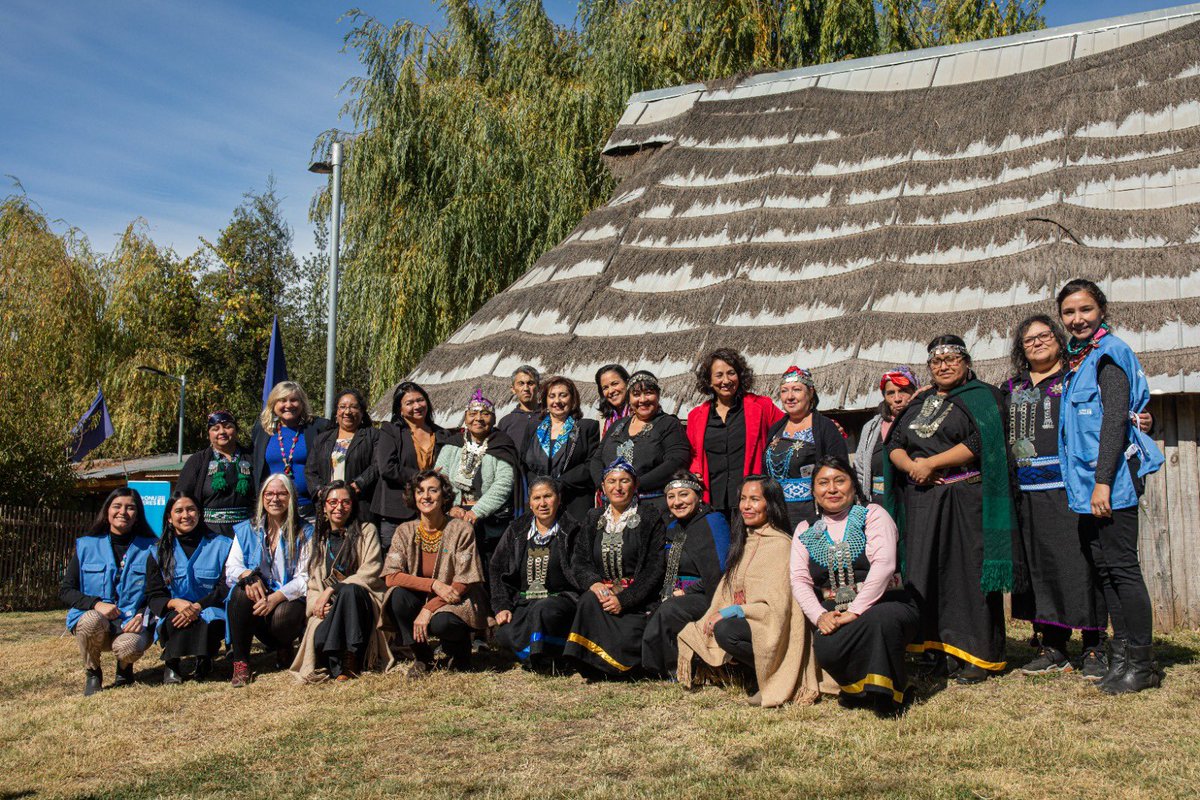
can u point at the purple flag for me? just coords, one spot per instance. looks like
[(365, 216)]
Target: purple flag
[(276, 363), (92, 429)]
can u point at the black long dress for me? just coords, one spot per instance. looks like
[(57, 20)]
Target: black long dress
[(536, 584), (658, 450), (224, 486), (1064, 589), (633, 564), (570, 463), (943, 538), (705, 542)]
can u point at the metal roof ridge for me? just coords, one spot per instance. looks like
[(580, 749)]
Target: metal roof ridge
[(817, 70)]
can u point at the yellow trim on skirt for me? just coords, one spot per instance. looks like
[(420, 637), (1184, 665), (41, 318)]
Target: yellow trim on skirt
[(875, 680), (588, 644), (951, 650)]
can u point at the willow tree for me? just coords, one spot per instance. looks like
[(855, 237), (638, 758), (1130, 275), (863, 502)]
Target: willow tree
[(478, 144)]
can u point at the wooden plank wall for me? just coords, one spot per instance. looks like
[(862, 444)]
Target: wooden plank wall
[(1169, 541), (35, 547)]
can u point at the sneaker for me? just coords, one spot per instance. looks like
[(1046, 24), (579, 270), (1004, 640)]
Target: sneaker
[(1094, 665), (1048, 660), (241, 674)]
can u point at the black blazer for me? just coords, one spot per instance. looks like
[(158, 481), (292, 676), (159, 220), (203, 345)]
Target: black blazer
[(396, 464), (260, 470), (657, 453), (572, 468), (360, 462), (505, 573), (651, 558)]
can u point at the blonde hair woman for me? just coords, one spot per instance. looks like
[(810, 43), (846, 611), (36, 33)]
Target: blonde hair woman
[(267, 574), (284, 436)]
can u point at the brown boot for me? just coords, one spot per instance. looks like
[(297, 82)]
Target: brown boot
[(349, 666)]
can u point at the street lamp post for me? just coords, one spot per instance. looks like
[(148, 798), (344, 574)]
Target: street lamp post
[(332, 167), (182, 381)]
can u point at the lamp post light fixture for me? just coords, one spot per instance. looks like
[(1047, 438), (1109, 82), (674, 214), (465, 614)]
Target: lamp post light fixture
[(182, 381), (332, 167)]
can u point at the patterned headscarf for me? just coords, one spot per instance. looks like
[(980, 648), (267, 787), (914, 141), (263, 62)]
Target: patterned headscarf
[(219, 418), (620, 464), (794, 374), (902, 376), (479, 403)]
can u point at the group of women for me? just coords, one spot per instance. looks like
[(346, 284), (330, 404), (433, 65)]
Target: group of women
[(743, 548)]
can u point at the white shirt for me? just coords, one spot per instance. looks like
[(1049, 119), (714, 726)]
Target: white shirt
[(294, 589)]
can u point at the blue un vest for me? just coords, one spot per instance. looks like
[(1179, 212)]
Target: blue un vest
[(1079, 421), (193, 580), (100, 576), (251, 539)]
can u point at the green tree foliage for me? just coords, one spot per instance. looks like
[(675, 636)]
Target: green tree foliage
[(479, 143)]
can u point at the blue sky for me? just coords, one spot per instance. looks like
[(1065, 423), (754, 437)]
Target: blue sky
[(172, 110)]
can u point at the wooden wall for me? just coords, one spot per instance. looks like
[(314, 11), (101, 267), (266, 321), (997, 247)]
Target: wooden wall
[(1169, 542)]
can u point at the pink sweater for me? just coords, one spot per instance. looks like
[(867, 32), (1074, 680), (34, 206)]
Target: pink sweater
[(882, 537)]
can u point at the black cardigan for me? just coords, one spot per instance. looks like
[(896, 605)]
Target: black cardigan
[(260, 470), (360, 462), (574, 473), (827, 437), (505, 566), (651, 559), (396, 465), (657, 453)]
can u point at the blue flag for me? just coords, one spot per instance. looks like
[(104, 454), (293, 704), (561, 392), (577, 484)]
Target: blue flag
[(92, 429), (276, 363)]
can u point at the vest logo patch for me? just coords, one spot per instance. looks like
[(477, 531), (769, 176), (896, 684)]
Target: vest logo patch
[(1085, 412)]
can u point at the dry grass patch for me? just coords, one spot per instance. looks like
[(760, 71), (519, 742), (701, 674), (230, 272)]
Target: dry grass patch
[(511, 734)]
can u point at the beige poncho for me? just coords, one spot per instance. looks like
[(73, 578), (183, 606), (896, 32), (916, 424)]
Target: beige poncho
[(370, 564), (783, 655)]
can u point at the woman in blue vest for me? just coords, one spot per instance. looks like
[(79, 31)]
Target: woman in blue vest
[(267, 574), (1104, 459), (185, 588), (104, 588)]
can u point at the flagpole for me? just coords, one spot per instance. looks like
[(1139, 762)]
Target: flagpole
[(331, 329), (182, 392)]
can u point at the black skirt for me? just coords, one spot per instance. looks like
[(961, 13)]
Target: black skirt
[(800, 511), (607, 642), (943, 567), (539, 627), (1064, 588), (867, 656), (348, 626), (660, 642), (202, 639)]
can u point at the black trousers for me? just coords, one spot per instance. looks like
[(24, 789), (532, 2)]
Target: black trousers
[(278, 629), (346, 628), (733, 636), (404, 605), (201, 639), (1112, 544)]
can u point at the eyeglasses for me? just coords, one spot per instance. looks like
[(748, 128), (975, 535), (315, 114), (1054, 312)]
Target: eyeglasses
[(945, 361), (276, 495), (1044, 337), (350, 407), (334, 502)]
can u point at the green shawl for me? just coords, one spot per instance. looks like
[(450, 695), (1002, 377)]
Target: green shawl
[(999, 515)]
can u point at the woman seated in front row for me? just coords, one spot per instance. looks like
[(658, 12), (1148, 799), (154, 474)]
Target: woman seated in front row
[(697, 541), (104, 588), (435, 580), (345, 591), (185, 588), (753, 620), (267, 574), (619, 559), (533, 589), (844, 578)]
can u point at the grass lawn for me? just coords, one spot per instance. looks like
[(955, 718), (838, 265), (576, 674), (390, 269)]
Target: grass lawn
[(507, 733)]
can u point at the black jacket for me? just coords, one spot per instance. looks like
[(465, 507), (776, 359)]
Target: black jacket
[(261, 438), (651, 559), (505, 567), (571, 467), (396, 464), (360, 462)]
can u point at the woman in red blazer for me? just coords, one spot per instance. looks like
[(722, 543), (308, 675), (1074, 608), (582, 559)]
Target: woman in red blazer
[(728, 432)]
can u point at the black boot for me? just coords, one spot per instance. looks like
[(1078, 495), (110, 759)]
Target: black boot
[(171, 674), (1140, 672), (1117, 664), (124, 675), (95, 682), (203, 667)]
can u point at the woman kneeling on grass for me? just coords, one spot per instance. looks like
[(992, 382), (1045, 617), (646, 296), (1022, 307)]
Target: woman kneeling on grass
[(435, 578), (104, 588), (267, 574), (533, 589), (844, 578), (753, 619), (186, 590), (344, 592)]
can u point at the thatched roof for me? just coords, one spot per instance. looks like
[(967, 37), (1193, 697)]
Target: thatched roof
[(838, 217)]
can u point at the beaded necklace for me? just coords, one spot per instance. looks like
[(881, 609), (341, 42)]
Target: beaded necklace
[(430, 541), (287, 460), (838, 557)]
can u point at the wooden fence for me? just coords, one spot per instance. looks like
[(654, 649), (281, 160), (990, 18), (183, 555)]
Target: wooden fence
[(35, 547)]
